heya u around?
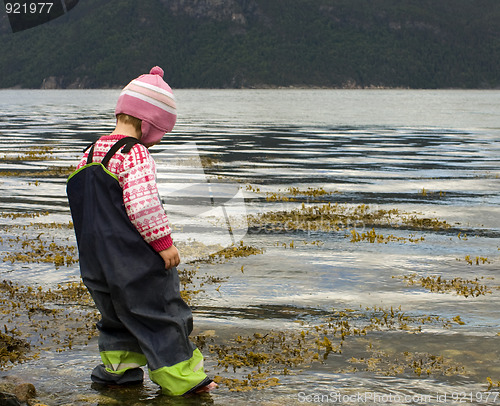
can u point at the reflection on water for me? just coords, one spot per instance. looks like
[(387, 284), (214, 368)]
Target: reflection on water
[(433, 154)]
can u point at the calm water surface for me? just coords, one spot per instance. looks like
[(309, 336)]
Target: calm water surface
[(435, 153)]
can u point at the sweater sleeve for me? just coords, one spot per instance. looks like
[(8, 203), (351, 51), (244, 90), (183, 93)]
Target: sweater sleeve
[(142, 202)]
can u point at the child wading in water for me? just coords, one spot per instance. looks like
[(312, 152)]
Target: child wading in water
[(127, 257)]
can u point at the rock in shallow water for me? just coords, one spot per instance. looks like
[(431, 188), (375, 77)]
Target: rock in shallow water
[(25, 391), (13, 391), (6, 399)]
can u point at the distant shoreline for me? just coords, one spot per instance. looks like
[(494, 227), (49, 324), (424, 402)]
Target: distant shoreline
[(264, 87)]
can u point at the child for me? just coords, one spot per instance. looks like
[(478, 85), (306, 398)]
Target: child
[(127, 257)]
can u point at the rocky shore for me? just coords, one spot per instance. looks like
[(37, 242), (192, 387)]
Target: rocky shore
[(15, 392)]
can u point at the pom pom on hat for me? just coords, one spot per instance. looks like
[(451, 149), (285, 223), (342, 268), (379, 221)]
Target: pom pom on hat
[(157, 71), (150, 99)]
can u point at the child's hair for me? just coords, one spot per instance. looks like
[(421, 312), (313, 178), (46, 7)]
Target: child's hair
[(126, 119)]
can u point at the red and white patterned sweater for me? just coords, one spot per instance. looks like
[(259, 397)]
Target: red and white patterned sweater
[(136, 172)]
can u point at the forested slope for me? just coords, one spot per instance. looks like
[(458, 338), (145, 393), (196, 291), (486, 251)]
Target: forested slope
[(258, 43)]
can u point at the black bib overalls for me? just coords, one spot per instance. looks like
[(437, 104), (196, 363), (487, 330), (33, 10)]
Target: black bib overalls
[(144, 319)]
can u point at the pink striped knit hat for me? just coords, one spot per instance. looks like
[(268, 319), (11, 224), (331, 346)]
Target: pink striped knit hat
[(149, 99)]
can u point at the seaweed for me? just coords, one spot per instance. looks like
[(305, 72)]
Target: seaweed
[(372, 237), (462, 287), (39, 250), (47, 319), (260, 358), (330, 217)]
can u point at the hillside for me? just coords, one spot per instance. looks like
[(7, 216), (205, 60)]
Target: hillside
[(260, 43)]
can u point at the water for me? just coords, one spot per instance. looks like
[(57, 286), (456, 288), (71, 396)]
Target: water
[(432, 154)]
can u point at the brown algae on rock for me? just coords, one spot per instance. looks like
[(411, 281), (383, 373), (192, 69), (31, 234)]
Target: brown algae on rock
[(234, 251), (256, 361), (192, 283), (462, 287), (12, 348), (39, 249), (47, 319), (35, 154), (16, 215), (372, 237), (477, 260), (336, 217), (492, 383), (292, 194), (54, 171), (37, 242)]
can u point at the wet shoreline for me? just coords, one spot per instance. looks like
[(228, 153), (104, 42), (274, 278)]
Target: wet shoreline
[(365, 261)]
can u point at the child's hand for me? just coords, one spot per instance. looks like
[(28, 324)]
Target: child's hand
[(171, 257)]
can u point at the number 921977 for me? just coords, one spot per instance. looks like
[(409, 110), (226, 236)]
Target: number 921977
[(28, 8)]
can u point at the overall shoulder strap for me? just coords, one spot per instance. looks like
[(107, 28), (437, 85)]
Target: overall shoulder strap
[(127, 143), (91, 152)]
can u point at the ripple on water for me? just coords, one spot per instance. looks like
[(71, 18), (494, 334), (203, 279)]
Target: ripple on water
[(425, 165)]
